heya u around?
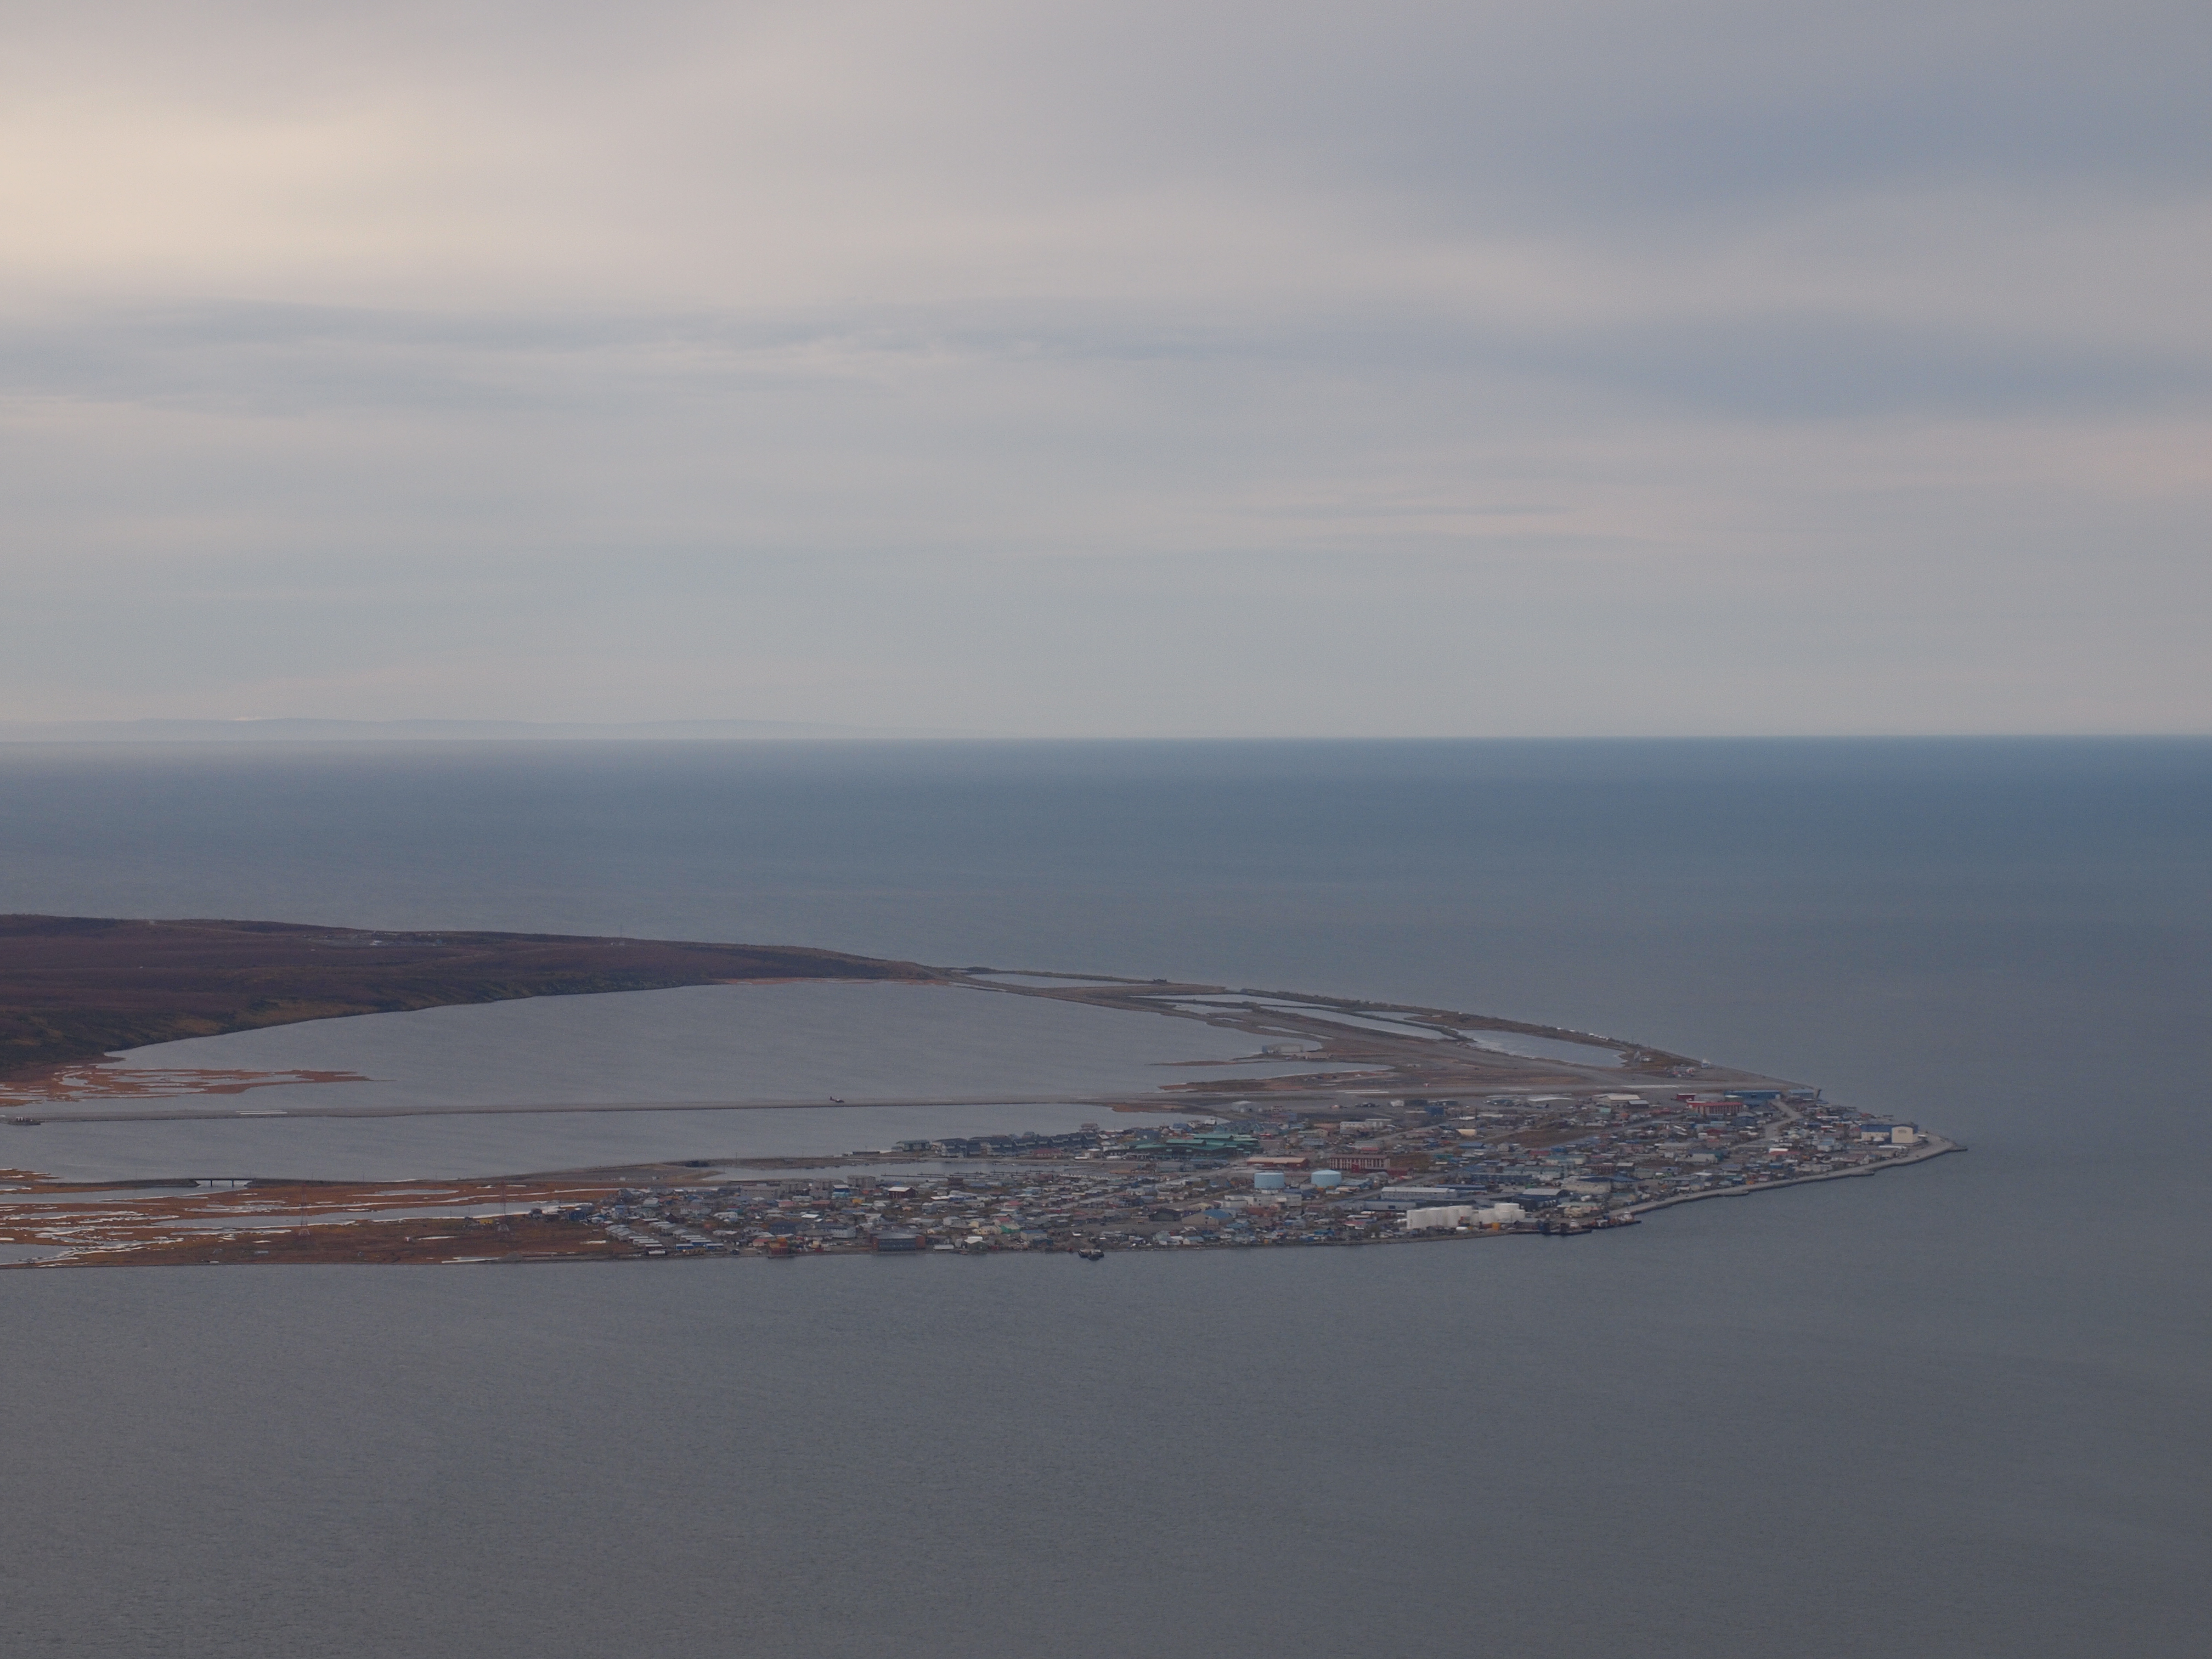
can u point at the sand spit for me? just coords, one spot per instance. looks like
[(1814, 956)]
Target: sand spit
[(1390, 1096)]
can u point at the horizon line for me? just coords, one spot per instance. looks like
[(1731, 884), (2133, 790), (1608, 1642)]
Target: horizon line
[(185, 730)]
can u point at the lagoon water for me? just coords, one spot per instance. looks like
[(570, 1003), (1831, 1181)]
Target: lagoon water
[(857, 1043), (776, 1042), (1953, 1410)]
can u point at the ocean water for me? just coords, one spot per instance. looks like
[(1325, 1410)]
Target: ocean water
[(1957, 1409)]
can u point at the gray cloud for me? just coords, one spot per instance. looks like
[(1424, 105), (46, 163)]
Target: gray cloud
[(1414, 368), (277, 359)]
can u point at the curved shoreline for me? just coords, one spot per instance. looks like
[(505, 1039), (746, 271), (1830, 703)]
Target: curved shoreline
[(1424, 1118), (1936, 1146)]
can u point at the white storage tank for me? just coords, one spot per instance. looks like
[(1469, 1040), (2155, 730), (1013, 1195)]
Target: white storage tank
[(1437, 1215), (1328, 1177)]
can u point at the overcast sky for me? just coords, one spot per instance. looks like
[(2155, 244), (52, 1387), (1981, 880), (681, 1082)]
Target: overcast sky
[(1211, 367)]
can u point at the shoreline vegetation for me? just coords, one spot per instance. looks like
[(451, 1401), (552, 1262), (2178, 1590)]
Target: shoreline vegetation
[(74, 989), (1414, 1122)]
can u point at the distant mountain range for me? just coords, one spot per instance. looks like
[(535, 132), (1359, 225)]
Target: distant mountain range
[(311, 731)]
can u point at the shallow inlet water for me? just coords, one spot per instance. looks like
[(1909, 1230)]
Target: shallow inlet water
[(1536, 1047), (1953, 1410), (1504, 1042), (694, 1043), (737, 1042)]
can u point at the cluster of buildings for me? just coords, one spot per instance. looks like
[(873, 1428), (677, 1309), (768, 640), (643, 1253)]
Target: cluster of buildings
[(1380, 1168)]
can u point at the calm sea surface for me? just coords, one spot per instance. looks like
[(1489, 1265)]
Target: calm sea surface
[(1955, 1410)]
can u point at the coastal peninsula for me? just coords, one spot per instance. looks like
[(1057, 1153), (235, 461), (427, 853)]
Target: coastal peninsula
[(1351, 1121)]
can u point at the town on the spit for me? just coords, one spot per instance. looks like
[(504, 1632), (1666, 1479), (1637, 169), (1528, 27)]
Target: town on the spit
[(1355, 1122), (1382, 1169), (1404, 1168)]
